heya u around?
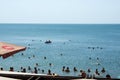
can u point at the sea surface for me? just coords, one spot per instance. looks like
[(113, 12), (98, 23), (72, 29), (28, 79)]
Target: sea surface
[(84, 46)]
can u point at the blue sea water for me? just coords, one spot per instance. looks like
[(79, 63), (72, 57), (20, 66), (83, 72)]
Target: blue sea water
[(74, 41)]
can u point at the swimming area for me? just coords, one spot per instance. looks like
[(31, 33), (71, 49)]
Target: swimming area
[(84, 46)]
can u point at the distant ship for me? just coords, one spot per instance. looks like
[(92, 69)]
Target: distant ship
[(48, 41)]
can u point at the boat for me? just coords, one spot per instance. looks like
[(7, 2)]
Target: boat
[(48, 41)]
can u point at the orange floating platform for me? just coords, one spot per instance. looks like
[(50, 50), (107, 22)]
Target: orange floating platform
[(7, 49)]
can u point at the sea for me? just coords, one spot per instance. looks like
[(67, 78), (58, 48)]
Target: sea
[(83, 46)]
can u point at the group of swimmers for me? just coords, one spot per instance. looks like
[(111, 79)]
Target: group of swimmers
[(87, 74), (95, 48), (66, 69), (83, 74)]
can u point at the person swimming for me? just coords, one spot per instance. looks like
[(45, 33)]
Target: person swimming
[(49, 72), (74, 69), (67, 69), (103, 70), (63, 69), (108, 76)]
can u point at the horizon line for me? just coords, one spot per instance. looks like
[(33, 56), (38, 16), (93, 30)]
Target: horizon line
[(60, 23)]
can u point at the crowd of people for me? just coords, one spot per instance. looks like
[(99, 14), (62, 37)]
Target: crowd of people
[(88, 73), (82, 73)]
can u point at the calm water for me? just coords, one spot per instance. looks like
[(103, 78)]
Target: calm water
[(70, 40)]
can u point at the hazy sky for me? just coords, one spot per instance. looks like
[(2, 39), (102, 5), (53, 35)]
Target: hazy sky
[(60, 11)]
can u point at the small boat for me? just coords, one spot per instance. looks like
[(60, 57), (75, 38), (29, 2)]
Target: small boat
[(47, 42)]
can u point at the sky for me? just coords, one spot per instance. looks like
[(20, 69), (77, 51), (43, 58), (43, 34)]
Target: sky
[(60, 11)]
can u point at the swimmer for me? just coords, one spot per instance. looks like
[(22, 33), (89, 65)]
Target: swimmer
[(74, 69)]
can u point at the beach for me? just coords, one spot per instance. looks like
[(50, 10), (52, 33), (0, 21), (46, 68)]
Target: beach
[(90, 46)]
